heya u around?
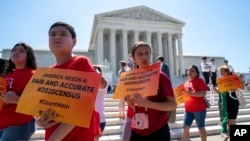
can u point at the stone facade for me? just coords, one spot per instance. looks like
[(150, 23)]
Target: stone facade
[(114, 33)]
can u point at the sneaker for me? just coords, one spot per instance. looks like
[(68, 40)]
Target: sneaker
[(224, 135)]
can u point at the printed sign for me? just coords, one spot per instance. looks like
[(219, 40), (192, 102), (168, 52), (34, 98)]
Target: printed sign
[(2, 90), (181, 96), (144, 81), (228, 83), (70, 93)]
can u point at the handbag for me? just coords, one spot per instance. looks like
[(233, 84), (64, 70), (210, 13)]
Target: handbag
[(207, 102), (240, 98)]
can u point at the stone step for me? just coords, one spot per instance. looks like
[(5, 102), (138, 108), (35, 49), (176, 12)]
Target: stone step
[(111, 111), (109, 129), (114, 125), (176, 133), (114, 120)]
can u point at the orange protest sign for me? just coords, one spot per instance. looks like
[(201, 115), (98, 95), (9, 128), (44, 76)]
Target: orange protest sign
[(227, 83), (2, 90), (180, 94), (70, 93), (144, 81)]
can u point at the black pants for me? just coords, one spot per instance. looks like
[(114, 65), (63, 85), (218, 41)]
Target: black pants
[(162, 134), (213, 78), (206, 76)]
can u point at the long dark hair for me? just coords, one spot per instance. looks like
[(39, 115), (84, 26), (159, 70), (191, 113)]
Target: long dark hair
[(31, 60), (3, 64), (196, 69)]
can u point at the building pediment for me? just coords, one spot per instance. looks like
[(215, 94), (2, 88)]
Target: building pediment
[(140, 13)]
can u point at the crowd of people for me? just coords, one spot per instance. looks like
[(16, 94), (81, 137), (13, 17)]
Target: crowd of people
[(158, 110)]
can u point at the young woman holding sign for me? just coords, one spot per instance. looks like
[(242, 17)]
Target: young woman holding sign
[(229, 106), (62, 39), (154, 108), (22, 64)]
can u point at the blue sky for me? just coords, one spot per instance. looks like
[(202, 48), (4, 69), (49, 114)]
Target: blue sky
[(213, 27)]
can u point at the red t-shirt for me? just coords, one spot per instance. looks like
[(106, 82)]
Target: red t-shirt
[(195, 104), (130, 112), (157, 119), (79, 63), (16, 81)]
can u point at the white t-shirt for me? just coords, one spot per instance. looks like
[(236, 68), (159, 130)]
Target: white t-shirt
[(204, 66), (213, 67), (99, 102)]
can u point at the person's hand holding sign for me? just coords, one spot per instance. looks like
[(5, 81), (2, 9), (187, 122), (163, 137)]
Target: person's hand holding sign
[(10, 97), (46, 119), (139, 100), (130, 101)]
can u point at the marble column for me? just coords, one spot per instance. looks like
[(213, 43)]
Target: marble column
[(165, 49), (148, 36), (125, 44), (136, 36), (180, 52), (113, 50), (99, 47), (159, 39), (177, 70), (170, 55)]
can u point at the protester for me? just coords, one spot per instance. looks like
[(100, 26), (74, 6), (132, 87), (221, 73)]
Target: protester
[(205, 69), (3, 65), (130, 61), (164, 66), (229, 106), (62, 39), (22, 64), (213, 72), (165, 69), (128, 120), (155, 108), (121, 102), (231, 69), (195, 107), (99, 102)]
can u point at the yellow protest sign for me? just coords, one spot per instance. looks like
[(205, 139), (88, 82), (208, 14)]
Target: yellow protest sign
[(181, 96), (70, 93), (144, 81), (2, 90), (227, 83)]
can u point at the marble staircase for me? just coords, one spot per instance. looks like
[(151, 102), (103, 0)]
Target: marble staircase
[(114, 125)]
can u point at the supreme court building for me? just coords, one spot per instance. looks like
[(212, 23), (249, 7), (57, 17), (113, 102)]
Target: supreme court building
[(114, 33)]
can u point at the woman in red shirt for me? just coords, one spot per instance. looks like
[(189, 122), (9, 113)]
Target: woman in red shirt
[(195, 107), (22, 64), (154, 106)]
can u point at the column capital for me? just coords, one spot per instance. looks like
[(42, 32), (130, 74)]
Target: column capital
[(159, 33), (170, 35), (136, 31), (100, 29), (179, 36), (112, 30), (124, 31)]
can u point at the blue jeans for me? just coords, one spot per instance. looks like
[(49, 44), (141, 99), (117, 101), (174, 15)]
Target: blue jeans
[(21, 132), (199, 118)]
